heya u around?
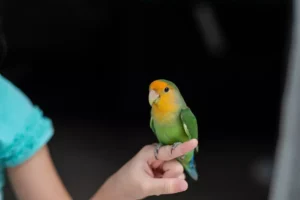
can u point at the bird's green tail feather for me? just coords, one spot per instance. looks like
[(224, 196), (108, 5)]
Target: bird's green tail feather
[(190, 168)]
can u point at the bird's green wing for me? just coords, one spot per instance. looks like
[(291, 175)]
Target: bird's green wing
[(152, 125), (190, 124)]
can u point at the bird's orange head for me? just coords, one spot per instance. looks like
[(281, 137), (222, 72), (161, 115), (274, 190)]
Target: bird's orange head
[(164, 95)]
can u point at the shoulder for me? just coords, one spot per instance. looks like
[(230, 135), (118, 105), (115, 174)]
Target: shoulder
[(23, 127)]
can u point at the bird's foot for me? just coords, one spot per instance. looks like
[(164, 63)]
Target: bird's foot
[(156, 150), (174, 146)]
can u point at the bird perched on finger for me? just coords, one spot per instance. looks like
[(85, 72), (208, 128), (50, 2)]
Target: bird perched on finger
[(172, 121)]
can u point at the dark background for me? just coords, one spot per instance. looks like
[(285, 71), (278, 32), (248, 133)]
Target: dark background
[(88, 65)]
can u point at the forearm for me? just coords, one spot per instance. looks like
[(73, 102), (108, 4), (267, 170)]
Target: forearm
[(37, 179)]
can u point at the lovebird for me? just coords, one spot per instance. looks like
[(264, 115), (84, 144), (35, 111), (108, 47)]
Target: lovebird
[(172, 121)]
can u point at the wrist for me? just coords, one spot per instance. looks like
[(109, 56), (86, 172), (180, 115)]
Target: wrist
[(111, 191)]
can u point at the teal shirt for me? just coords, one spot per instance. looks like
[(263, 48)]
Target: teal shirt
[(23, 128)]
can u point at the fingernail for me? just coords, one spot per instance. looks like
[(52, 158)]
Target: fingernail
[(183, 185)]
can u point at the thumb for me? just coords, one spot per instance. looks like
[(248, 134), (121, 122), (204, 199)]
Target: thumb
[(168, 186)]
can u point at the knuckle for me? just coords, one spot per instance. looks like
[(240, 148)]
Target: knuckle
[(179, 168), (182, 176), (169, 150)]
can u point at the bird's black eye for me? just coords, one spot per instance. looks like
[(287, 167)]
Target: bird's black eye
[(166, 89)]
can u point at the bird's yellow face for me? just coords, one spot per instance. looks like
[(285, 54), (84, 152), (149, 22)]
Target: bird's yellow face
[(162, 95)]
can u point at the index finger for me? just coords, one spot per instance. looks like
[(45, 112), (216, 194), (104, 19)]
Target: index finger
[(165, 153)]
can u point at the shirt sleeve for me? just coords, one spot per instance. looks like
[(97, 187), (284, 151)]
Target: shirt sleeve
[(23, 127)]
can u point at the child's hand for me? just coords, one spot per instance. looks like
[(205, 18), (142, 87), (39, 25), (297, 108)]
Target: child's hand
[(145, 176)]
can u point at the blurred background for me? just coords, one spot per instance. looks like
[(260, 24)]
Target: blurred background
[(88, 65)]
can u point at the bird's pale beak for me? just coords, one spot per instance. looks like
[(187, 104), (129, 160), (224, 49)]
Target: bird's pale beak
[(153, 96)]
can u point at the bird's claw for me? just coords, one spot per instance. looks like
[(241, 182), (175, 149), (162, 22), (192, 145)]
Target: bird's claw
[(174, 146), (156, 150), (159, 145)]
